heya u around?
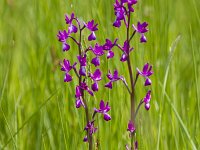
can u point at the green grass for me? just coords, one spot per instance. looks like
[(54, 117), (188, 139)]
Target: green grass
[(37, 107)]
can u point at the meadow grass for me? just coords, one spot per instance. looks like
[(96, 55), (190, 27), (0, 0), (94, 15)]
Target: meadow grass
[(37, 108)]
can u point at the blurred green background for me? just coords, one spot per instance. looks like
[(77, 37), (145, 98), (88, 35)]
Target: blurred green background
[(37, 108)]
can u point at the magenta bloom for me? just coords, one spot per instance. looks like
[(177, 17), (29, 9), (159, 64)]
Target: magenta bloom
[(146, 72), (91, 129), (72, 28), (85, 139), (119, 10), (131, 128), (103, 109), (78, 96), (126, 50), (85, 87), (113, 78), (130, 5), (108, 46), (147, 99), (83, 63), (82, 60), (120, 13), (68, 19), (96, 76), (96, 61), (62, 37), (92, 27), (117, 23), (98, 51), (66, 67), (141, 28)]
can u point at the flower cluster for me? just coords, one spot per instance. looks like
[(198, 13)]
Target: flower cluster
[(123, 10), (82, 71)]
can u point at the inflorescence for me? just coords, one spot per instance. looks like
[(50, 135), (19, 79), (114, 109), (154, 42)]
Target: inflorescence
[(123, 10)]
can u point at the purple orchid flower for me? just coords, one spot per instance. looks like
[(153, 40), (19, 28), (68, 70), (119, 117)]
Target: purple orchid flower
[(120, 12), (117, 23), (83, 63), (108, 46), (98, 51), (130, 5), (62, 37), (103, 109), (72, 28), (92, 27), (131, 128), (85, 139), (85, 87), (126, 51), (146, 72), (78, 96), (66, 67), (147, 99), (96, 76), (68, 19), (96, 61), (113, 78), (91, 129), (141, 28)]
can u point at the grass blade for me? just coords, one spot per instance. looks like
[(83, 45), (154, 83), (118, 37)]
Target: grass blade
[(180, 121), (172, 49), (29, 119), (195, 71)]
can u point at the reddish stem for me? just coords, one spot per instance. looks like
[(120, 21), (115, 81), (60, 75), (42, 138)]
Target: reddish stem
[(82, 91)]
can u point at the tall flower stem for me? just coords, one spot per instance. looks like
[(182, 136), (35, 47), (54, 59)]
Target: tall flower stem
[(82, 91), (130, 73), (132, 94)]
